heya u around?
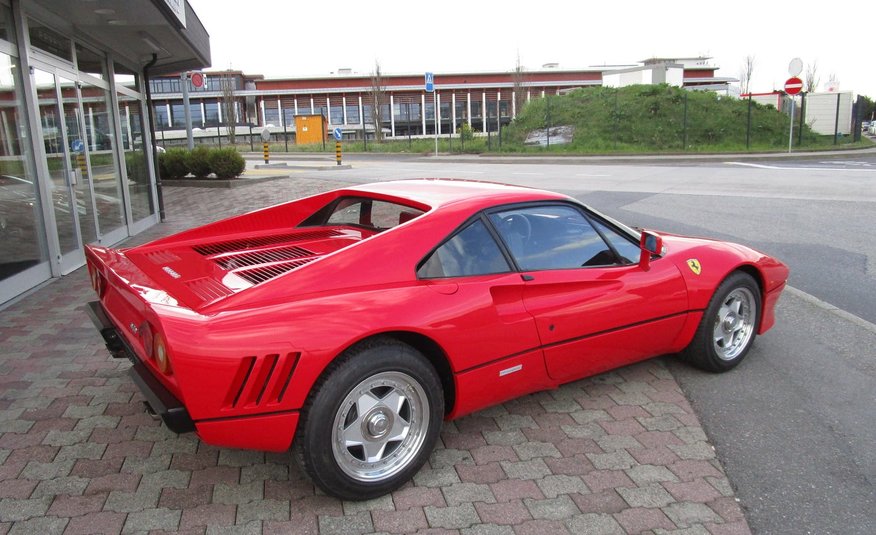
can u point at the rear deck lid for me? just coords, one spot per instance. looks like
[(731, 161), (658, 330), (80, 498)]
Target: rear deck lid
[(201, 272)]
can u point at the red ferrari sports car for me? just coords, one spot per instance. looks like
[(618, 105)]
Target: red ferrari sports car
[(348, 325)]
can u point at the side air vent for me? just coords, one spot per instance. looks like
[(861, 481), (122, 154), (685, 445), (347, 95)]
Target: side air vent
[(264, 256), (265, 241), (265, 273), (261, 381)]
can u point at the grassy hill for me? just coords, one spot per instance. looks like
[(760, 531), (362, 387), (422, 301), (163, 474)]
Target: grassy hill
[(651, 118)]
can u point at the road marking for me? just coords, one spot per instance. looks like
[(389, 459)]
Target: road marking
[(587, 174), (824, 305), (762, 166)]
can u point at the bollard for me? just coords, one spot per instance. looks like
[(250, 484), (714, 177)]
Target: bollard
[(267, 152), (338, 152), (82, 165)]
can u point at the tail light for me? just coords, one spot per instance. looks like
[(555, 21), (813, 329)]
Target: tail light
[(160, 354)]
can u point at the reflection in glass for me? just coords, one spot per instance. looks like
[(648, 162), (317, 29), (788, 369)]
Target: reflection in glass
[(90, 62), (7, 29), (21, 224), (48, 40), (139, 180), (100, 140), (76, 156), (61, 170)]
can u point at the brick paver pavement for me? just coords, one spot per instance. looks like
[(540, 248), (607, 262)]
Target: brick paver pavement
[(618, 453)]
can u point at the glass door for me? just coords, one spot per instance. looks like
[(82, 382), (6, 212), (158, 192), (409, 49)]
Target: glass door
[(66, 159)]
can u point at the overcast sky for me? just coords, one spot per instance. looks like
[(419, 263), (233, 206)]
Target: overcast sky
[(287, 38)]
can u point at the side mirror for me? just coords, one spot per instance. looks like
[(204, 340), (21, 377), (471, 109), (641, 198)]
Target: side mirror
[(650, 244)]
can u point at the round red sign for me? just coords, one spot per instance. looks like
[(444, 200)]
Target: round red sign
[(197, 79), (793, 85)]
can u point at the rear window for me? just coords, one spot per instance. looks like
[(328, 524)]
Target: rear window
[(372, 214)]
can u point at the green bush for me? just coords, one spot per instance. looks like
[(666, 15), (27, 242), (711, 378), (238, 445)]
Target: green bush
[(173, 164), (199, 162), (135, 164), (227, 163)]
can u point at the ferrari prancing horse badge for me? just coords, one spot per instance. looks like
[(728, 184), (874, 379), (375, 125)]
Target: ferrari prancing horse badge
[(695, 266)]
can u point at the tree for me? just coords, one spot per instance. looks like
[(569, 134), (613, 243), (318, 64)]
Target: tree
[(378, 97), (745, 74), (229, 106), (519, 86), (811, 81)]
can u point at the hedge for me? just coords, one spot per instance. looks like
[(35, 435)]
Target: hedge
[(201, 162)]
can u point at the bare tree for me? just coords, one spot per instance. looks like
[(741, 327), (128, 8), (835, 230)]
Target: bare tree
[(378, 96), (745, 74), (518, 79), (811, 81), (229, 107)]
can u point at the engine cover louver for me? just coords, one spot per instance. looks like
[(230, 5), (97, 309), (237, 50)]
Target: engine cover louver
[(265, 241)]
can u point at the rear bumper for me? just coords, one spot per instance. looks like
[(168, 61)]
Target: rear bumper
[(160, 400)]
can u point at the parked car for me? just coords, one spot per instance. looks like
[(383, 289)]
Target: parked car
[(865, 126), (348, 325), (872, 129)]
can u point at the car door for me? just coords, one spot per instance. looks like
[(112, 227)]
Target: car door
[(595, 308), (475, 312)]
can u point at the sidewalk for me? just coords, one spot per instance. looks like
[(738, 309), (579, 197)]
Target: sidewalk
[(621, 453)]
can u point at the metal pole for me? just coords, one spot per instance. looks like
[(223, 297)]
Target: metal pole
[(802, 115), (219, 135), (184, 83), (748, 128), (251, 148), (435, 101), (836, 123), (285, 135), (408, 111), (684, 125), (364, 132), (791, 135), (548, 117)]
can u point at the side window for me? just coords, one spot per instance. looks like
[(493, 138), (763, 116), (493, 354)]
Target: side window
[(552, 237), (627, 250), (472, 251)]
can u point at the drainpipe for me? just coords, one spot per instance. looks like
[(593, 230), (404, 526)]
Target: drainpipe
[(161, 214)]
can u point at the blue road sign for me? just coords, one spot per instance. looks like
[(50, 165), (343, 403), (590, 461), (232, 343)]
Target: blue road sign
[(337, 133), (430, 82), (77, 145)]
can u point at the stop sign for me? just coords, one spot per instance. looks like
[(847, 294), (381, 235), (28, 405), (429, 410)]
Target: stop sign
[(793, 85)]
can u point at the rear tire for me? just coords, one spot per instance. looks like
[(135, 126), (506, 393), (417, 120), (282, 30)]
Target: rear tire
[(371, 422), (728, 327)]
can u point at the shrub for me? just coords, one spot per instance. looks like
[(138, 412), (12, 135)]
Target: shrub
[(173, 163), (199, 162), (135, 164), (227, 163)]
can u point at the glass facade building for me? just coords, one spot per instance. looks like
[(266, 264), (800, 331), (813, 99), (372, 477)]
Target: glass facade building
[(76, 162)]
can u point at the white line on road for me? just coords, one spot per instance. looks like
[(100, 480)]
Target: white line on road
[(587, 174), (762, 166)]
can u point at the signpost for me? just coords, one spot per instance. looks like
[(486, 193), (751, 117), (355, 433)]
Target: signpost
[(338, 137), (793, 86), (266, 149), (430, 88)]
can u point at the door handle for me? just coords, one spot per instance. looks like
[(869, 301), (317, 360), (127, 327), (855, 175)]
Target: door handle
[(527, 278)]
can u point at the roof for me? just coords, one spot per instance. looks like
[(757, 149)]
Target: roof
[(436, 192)]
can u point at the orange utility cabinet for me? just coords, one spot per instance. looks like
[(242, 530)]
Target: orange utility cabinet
[(310, 129)]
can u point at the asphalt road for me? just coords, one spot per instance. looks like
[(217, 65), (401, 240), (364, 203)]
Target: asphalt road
[(794, 424)]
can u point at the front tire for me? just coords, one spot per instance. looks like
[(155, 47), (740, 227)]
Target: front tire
[(728, 327), (371, 421)]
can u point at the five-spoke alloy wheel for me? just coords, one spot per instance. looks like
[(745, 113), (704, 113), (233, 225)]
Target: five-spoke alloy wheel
[(729, 325), (371, 421)]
